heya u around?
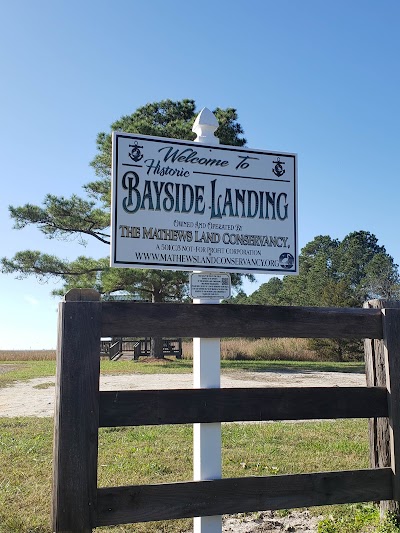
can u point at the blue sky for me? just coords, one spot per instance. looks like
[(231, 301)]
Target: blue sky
[(313, 77)]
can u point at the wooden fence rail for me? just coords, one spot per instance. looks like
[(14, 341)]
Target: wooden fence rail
[(119, 319), (123, 505), (190, 406), (79, 505)]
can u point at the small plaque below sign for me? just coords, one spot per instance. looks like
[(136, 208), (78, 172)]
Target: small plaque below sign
[(212, 286)]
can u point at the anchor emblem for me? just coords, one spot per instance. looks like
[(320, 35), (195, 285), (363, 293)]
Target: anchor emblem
[(135, 154), (278, 170)]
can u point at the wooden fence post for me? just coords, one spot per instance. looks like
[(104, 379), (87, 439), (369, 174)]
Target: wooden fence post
[(378, 359), (76, 418)]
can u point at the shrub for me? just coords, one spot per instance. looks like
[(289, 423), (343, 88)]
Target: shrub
[(337, 349)]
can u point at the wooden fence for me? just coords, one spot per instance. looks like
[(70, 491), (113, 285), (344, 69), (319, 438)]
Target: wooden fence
[(79, 504)]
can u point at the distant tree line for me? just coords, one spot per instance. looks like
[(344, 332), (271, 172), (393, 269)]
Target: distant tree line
[(334, 273)]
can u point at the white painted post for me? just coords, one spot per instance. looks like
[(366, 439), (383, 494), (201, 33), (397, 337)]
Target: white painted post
[(206, 374)]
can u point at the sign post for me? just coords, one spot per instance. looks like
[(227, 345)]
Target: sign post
[(207, 463), (208, 209)]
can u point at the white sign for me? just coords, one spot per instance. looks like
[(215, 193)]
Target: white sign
[(213, 286), (190, 206)]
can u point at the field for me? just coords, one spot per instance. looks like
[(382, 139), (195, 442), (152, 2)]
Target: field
[(148, 454), (27, 355), (231, 349), (240, 349), (164, 454), (262, 350)]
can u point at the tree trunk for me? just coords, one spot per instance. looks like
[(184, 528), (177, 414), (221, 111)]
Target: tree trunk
[(156, 348)]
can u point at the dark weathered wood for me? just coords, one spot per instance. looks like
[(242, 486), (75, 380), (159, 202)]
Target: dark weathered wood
[(186, 406), (78, 505), (123, 505), (375, 370), (391, 332), (82, 295), (186, 320), (76, 415)]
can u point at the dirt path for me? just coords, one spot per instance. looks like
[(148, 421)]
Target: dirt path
[(36, 396)]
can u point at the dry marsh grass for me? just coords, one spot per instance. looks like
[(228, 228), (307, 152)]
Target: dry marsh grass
[(27, 355), (231, 349), (261, 350)]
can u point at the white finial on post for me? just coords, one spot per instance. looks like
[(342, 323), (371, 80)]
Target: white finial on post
[(204, 126)]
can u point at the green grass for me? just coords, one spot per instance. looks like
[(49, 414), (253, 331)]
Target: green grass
[(43, 386), (186, 365), (173, 366), (21, 371), (359, 518), (24, 370), (287, 448), (294, 366), (164, 454)]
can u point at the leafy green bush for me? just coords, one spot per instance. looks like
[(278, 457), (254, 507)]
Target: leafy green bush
[(337, 349)]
